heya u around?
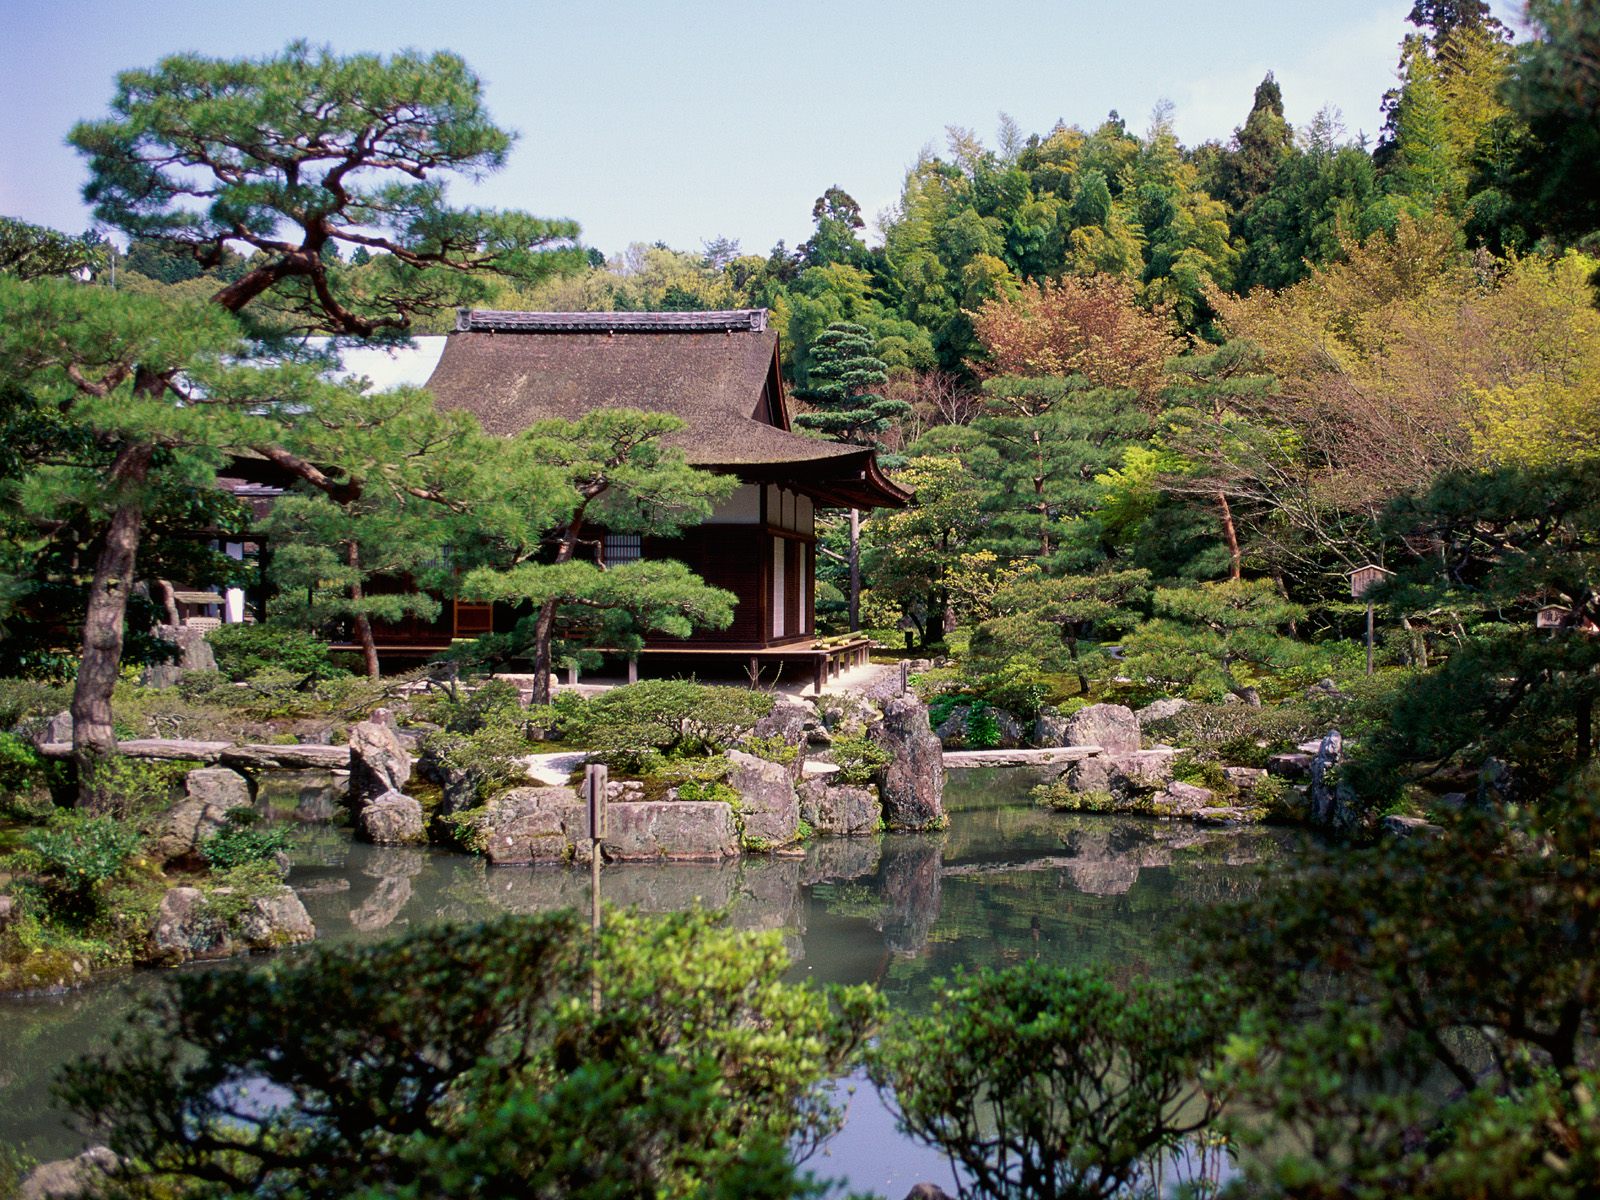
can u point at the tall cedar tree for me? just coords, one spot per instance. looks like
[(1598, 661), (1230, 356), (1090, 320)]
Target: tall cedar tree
[(292, 157), (844, 370)]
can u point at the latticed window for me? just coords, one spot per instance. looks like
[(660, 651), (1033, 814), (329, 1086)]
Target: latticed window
[(622, 548)]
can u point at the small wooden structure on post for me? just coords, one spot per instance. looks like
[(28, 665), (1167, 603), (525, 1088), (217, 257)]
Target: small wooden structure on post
[(1362, 580), (1559, 619)]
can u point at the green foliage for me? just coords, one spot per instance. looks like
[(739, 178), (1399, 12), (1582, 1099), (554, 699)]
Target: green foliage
[(71, 859), (983, 731), (774, 748), (674, 717), (25, 703), (136, 788), (1214, 639), (1376, 974), (243, 650), (840, 383), (693, 1076), (31, 251), (23, 770), (1041, 1081), (484, 732), (241, 842), (858, 757)]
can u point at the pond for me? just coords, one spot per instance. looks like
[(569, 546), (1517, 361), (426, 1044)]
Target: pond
[(1007, 881)]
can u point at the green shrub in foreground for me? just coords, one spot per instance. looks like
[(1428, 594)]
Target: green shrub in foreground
[(694, 1075), (1048, 1081)]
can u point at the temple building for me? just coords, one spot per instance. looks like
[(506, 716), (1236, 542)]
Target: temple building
[(718, 372)]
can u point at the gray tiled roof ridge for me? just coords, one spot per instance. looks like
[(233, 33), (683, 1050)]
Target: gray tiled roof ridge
[(734, 320)]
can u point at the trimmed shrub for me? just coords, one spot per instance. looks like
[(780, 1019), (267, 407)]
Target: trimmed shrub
[(671, 717), (858, 759), (245, 650)]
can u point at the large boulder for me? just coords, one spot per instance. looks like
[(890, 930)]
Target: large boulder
[(1124, 776), (69, 1178), (194, 655), (533, 825), (792, 718), (670, 829), (912, 784), (379, 762), (1159, 711), (57, 729), (277, 920), (842, 809), (1049, 727), (1333, 803), (391, 819), (1183, 800), (193, 924), (211, 793), (1110, 726), (767, 802)]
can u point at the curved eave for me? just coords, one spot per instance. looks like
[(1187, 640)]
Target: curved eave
[(853, 480)]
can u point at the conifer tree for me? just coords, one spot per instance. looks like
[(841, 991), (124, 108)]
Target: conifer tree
[(566, 484), (844, 370), (205, 155)]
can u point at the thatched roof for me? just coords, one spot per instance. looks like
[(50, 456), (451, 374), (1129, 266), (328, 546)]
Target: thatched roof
[(718, 371)]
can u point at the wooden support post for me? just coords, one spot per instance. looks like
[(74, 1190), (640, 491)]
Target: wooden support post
[(818, 671), (594, 792), (1370, 630), (633, 668)]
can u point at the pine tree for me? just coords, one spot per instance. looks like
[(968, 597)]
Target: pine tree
[(565, 481), (202, 155)]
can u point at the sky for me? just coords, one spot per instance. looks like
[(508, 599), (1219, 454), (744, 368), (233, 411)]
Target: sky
[(684, 120)]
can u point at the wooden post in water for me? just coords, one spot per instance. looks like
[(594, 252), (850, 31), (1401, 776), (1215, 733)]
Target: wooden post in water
[(594, 789)]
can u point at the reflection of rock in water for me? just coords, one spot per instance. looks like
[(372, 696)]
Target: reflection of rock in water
[(769, 898), (394, 867), (912, 873), (841, 858), (394, 862), (302, 795), (383, 905)]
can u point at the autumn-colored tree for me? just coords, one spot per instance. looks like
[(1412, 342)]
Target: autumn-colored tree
[(1091, 327)]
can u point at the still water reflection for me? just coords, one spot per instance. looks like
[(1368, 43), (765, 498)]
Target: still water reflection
[(1006, 881)]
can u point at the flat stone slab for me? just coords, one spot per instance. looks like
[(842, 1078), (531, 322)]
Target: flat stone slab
[(332, 757), (226, 753), (554, 770), (816, 769), (958, 759)]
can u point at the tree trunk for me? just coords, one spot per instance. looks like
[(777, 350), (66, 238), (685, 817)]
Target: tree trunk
[(1231, 535), (363, 623), (1072, 653), (93, 738), (855, 569), (543, 630)]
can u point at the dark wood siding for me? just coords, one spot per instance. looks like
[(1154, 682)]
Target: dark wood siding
[(725, 556)]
